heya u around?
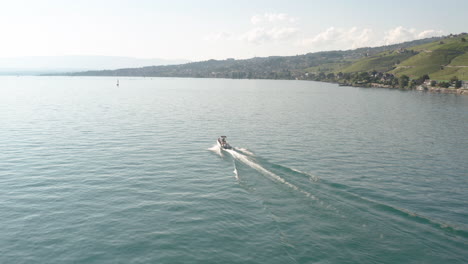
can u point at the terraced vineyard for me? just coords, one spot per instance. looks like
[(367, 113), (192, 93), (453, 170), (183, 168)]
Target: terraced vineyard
[(441, 60)]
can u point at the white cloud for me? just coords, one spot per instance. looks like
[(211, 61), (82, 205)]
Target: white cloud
[(340, 38), (399, 34), (256, 20), (363, 39), (402, 34), (271, 27), (430, 33), (351, 38), (267, 27), (259, 35), (280, 27)]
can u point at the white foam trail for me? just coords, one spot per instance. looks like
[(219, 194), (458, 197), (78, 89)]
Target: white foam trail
[(216, 149), (312, 178), (236, 173), (245, 151), (259, 168)]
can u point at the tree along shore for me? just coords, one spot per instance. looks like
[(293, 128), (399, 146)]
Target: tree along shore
[(387, 80)]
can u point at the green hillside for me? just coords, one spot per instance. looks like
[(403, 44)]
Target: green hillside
[(441, 60), (448, 72), (461, 60), (426, 63), (381, 62), (439, 57), (328, 67)]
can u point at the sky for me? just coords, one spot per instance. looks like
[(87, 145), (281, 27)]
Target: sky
[(208, 29)]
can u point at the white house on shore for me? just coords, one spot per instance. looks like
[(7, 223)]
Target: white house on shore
[(465, 84)]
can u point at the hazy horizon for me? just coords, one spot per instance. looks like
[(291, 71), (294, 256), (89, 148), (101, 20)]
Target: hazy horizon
[(205, 30), (26, 65), (46, 64)]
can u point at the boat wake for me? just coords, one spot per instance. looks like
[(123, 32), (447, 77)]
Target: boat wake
[(249, 162), (216, 149), (327, 193), (236, 173), (245, 151)]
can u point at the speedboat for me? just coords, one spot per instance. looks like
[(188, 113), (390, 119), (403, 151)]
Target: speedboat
[(222, 143)]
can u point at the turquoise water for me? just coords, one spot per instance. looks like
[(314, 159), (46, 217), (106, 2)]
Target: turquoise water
[(94, 173)]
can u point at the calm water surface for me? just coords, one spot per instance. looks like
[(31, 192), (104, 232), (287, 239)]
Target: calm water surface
[(94, 173)]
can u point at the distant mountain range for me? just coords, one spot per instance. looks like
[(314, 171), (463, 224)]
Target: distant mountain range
[(413, 58), (34, 65), (440, 58)]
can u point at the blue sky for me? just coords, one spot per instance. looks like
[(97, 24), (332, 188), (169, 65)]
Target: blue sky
[(200, 30)]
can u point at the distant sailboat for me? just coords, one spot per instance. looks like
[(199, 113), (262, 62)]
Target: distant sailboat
[(117, 82)]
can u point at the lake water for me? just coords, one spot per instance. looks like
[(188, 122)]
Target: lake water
[(95, 173)]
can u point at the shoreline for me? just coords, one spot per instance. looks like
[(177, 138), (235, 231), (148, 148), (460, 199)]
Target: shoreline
[(423, 88), (458, 91)]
